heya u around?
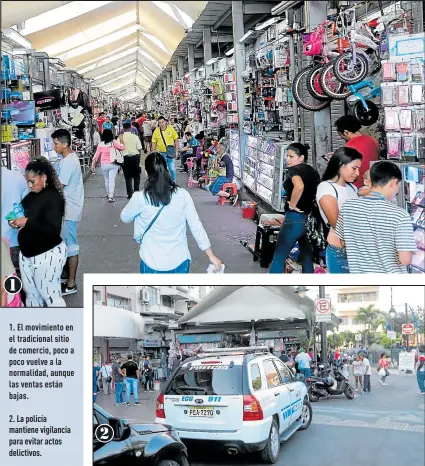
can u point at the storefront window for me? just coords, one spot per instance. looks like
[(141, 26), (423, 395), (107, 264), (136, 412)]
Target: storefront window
[(256, 377)]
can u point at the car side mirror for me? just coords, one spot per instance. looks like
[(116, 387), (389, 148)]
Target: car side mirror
[(120, 427)]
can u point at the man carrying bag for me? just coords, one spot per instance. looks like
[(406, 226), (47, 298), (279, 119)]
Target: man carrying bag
[(165, 140)]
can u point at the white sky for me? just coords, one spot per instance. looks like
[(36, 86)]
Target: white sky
[(413, 295)]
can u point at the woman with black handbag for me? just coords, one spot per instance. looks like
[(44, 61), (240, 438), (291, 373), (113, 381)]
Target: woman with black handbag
[(300, 185), (108, 152)]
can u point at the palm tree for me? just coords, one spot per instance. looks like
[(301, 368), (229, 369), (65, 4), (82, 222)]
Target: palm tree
[(369, 316)]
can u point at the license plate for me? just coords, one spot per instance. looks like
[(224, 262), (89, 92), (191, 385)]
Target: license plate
[(201, 412)]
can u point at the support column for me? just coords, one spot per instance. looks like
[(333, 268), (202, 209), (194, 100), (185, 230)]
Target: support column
[(207, 50), (164, 83), (323, 333), (169, 81), (316, 14), (180, 66), (174, 73), (191, 56), (239, 55)]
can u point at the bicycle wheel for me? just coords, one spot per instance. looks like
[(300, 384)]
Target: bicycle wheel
[(366, 117), (313, 84), (303, 96), (348, 72), (329, 83)]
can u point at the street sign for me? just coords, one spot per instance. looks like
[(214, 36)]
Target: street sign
[(408, 329), (391, 334), (406, 362), (358, 337), (323, 310)]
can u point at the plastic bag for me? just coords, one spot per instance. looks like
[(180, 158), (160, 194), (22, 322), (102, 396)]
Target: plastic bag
[(211, 268)]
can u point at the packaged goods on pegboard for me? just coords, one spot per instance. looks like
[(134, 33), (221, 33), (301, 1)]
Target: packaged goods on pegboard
[(403, 99)]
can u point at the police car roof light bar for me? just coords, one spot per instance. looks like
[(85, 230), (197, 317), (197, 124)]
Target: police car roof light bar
[(243, 349)]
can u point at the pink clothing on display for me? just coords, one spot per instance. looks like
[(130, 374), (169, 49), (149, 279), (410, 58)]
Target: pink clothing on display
[(104, 151)]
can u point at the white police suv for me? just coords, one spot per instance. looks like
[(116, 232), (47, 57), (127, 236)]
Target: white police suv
[(241, 400)]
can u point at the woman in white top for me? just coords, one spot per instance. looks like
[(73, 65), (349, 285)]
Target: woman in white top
[(160, 213), (336, 187)]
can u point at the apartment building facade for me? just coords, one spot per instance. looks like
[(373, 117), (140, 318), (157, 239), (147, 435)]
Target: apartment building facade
[(346, 302)]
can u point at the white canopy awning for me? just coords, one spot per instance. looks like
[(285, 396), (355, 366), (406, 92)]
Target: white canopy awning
[(249, 303), (97, 37)]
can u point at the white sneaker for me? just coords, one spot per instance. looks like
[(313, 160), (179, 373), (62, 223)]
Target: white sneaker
[(355, 390), (384, 383)]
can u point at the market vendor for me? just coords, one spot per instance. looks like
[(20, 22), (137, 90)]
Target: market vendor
[(223, 163), (188, 149)]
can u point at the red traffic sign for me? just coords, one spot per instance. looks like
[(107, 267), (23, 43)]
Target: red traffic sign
[(323, 306), (407, 329)]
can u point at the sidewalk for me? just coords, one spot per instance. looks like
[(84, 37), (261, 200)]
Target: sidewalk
[(107, 245)]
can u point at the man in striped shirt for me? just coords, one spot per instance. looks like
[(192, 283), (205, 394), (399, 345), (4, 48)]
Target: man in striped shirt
[(377, 234)]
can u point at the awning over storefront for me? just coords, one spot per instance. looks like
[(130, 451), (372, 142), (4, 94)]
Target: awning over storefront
[(117, 323), (250, 303)]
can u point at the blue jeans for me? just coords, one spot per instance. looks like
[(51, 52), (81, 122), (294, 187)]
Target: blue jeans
[(293, 230), (171, 163), (184, 267), (306, 372), (119, 386), (131, 386), (336, 260), (421, 380)]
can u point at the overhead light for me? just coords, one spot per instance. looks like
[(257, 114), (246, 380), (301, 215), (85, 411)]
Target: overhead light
[(16, 37), (229, 52), (192, 70), (246, 35), (301, 291), (268, 23), (212, 61)]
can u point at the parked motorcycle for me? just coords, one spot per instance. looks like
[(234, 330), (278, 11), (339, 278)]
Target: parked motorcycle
[(323, 386)]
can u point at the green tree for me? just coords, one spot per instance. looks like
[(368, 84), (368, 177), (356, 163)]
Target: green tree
[(371, 317), (349, 337), (335, 340), (385, 341)]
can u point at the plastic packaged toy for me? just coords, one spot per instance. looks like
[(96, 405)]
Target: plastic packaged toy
[(394, 145)]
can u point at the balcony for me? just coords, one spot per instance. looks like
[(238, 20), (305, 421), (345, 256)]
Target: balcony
[(158, 309), (178, 294)]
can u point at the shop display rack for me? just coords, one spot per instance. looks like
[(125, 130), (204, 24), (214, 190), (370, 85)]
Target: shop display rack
[(264, 169)]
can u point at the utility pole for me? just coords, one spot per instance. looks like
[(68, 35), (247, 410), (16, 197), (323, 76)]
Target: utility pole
[(407, 321), (323, 333)]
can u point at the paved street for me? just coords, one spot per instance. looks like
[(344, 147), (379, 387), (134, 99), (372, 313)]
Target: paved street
[(107, 245), (381, 428)]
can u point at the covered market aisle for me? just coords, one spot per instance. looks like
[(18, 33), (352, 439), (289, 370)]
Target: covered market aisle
[(107, 244)]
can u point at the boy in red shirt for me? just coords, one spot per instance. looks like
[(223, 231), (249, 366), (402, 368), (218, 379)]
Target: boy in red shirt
[(349, 127)]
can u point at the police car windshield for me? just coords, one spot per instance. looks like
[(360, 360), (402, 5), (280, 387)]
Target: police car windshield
[(220, 380)]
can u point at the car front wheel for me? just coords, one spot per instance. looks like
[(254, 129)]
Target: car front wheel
[(306, 415), (270, 453), (168, 463)]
